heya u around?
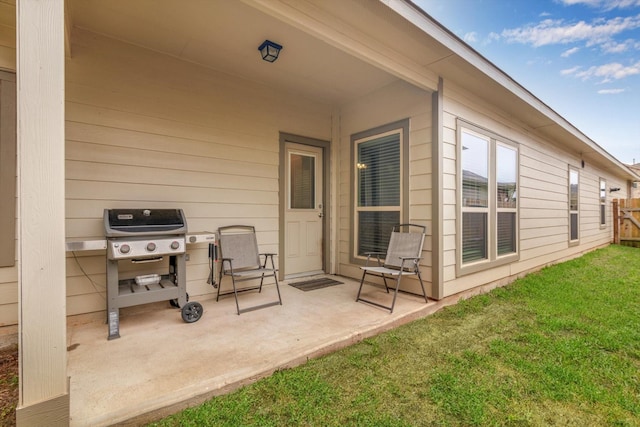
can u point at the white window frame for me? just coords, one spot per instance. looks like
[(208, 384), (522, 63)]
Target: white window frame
[(402, 129), (492, 260), (514, 210), (602, 196), (576, 212)]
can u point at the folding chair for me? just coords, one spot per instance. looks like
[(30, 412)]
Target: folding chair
[(402, 259), (241, 261)]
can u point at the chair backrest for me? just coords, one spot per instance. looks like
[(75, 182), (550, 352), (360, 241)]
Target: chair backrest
[(404, 244), (239, 243)]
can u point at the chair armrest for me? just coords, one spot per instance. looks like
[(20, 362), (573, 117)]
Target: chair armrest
[(227, 260), (268, 255)]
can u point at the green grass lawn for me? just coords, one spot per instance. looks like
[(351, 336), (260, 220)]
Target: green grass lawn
[(559, 347)]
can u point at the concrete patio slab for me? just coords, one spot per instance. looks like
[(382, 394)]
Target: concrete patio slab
[(161, 364)]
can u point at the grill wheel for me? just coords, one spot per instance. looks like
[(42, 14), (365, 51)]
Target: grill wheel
[(192, 312)]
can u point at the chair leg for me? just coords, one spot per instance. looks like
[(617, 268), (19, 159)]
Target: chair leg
[(424, 293), (235, 294), (386, 286), (219, 286), (364, 273), (395, 293), (277, 288)]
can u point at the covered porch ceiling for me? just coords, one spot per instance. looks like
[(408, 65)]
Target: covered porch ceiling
[(224, 36)]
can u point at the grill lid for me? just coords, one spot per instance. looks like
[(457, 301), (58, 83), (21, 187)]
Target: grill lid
[(142, 222)]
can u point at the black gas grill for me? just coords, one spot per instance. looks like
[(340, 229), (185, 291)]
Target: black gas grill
[(146, 237)]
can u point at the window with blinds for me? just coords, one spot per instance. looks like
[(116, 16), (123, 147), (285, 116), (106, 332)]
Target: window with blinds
[(303, 184), (379, 191), (574, 205), (603, 202), (506, 198), (489, 199), (475, 196)]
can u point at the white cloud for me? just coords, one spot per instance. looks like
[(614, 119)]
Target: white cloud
[(471, 37), (606, 72), (567, 53), (610, 91), (570, 71), (604, 4), (549, 31), (493, 36), (587, 2)]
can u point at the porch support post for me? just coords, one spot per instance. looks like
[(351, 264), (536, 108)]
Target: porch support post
[(334, 165), (437, 203), (44, 386)]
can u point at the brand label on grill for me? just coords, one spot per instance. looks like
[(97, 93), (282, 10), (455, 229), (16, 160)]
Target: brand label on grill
[(125, 216)]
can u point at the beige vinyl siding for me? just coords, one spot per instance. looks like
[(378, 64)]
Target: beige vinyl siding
[(8, 275), (395, 102), (543, 196), (147, 130), (8, 35)]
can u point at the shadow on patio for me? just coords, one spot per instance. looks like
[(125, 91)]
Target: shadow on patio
[(161, 364)]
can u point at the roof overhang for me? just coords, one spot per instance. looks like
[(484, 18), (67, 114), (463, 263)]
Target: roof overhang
[(473, 72)]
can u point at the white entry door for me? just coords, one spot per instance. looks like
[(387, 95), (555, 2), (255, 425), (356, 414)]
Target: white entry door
[(303, 210)]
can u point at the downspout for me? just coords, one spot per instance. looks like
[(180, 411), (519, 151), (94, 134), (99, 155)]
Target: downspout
[(437, 214)]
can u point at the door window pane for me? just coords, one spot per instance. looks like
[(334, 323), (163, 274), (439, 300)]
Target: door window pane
[(303, 184)]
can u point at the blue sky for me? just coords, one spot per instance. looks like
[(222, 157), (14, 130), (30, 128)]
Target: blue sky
[(580, 57)]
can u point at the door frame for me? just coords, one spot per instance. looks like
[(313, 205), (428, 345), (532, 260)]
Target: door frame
[(326, 220)]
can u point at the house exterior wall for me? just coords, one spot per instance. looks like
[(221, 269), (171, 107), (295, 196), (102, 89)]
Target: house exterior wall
[(635, 186), (147, 130), (8, 275), (8, 35), (395, 102), (543, 196)]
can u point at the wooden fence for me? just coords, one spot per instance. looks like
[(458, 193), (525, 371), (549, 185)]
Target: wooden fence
[(626, 222)]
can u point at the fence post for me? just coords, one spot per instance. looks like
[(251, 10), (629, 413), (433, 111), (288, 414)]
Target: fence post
[(616, 222)]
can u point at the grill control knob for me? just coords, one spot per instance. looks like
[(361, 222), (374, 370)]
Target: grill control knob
[(151, 247), (125, 249), (175, 244)]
